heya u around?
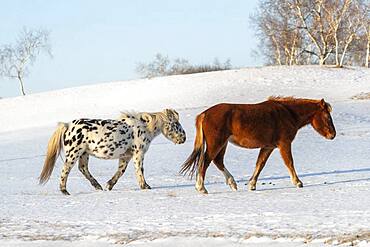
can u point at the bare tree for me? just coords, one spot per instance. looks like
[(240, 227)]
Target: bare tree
[(313, 21), (367, 57), (276, 28), (311, 31), (158, 67), (366, 27), (336, 11), (16, 59), (163, 66)]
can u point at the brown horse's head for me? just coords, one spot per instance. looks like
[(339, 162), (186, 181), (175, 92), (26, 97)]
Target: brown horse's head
[(322, 121)]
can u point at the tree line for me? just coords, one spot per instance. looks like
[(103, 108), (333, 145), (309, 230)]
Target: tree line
[(293, 32)]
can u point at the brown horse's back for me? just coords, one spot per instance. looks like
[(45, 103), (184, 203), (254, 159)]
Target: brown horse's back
[(250, 125)]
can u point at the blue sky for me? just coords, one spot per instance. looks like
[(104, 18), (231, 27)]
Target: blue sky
[(100, 41)]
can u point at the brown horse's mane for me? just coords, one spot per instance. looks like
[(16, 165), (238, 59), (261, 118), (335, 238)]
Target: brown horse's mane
[(291, 99)]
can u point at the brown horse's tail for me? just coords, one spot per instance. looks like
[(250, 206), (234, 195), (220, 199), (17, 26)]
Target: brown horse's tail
[(54, 147), (196, 158)]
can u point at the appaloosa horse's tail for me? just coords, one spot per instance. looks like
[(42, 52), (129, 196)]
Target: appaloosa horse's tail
[(196, 158), (54, 147)]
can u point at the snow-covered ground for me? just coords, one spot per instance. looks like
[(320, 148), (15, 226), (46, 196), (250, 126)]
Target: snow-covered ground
[(332, 208)]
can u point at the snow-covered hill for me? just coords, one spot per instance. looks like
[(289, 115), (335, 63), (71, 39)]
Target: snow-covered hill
[(333, 207), (182, 92)]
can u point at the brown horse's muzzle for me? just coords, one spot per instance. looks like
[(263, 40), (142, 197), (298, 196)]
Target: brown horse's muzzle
[(331, 136)]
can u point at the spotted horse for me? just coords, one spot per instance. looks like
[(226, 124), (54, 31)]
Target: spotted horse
[(126, 138)]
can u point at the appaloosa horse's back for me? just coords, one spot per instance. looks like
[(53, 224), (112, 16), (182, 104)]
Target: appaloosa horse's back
[(268, 125)]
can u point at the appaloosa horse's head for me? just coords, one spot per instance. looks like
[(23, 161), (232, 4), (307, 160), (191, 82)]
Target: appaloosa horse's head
[(322, 121), (171, 127)]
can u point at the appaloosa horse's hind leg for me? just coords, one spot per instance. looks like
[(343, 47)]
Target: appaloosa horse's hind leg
[(122, 165), (68, 164), (219, 162), (286, 154), (261, 161), (84, 169)]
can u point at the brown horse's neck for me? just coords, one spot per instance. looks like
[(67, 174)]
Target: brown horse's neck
[(303, 110)]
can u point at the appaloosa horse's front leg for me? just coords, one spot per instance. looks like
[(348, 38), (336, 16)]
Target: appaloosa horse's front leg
[(261, 161), (84, 169), (139, 169), (122, 165), (286, 154)]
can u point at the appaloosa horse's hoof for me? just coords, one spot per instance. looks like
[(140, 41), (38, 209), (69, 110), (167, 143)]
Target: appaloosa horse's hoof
[(98, 187), (109, 186), (146, 187), (65, 192)]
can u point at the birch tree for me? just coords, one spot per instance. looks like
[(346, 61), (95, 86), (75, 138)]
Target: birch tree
[(15, 60)]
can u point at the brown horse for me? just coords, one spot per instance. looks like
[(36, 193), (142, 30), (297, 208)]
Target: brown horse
[(266, 125)]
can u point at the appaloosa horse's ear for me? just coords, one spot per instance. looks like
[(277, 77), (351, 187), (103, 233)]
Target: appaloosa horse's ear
[(175, 114), (172, 112), (146, 117)]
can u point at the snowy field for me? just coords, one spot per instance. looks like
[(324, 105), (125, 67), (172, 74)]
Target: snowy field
[(333, 207)]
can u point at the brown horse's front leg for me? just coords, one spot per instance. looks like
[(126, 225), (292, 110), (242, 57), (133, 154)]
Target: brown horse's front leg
[(261, 161), (286, 154)]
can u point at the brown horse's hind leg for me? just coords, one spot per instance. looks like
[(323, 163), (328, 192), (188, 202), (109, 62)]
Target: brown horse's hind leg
[(286, 154), (84, 169), (219, 162), (261, 161), (199, 185)]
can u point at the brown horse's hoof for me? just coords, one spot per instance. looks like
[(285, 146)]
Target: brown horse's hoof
[(252, 186), (202, 191), (299, 185), (233, 186)]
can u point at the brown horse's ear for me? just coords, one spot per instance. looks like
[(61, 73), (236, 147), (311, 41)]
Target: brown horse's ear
[(322, 103), (330, 109)]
